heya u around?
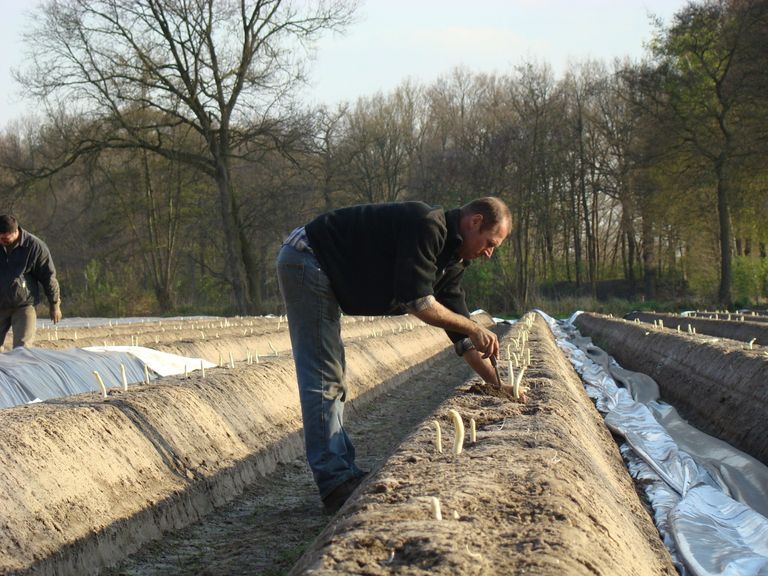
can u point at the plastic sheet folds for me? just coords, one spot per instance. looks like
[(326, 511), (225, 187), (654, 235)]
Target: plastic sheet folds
[(37, 374), (707, 530)]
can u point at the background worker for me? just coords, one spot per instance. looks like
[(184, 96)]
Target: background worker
[(377, 259), (25, 262)]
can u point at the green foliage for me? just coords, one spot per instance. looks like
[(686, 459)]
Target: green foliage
[(104, 295), (750, 280), (618, 307)]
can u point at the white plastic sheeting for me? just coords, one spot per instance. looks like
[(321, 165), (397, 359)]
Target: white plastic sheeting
[(35, 374), (708, 532), (162, 363)]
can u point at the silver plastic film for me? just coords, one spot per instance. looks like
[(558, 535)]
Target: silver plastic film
[(692, 480)]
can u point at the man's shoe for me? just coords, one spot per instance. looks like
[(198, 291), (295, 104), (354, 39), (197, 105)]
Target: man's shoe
[(336, 498)]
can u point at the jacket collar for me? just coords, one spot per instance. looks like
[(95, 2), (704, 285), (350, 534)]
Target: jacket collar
[(453, 240)]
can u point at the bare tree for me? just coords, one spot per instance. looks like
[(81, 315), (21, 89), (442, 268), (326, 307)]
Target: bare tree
[(709, 59), (378, 145), (221, 69)]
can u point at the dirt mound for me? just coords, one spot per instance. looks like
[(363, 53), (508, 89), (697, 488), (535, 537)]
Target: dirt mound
[(743, 330), (717, 385), (543, 490), (85, 481)]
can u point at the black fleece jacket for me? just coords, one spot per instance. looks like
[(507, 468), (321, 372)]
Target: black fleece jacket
[(22, 267), (380, 257)]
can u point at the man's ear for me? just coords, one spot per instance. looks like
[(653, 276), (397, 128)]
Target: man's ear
[(477, 221)]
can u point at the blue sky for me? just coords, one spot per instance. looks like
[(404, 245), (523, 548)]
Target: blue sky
[(395, 40)]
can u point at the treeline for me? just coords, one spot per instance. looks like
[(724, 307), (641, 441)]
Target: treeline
[(171, 160)]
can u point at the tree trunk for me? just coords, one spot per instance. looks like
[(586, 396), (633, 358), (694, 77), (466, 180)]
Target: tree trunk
[(649, 261), (235, 266), (576, 234), (725, 297)]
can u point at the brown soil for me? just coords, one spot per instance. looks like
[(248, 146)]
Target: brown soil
[(734, 329), (717, 385), (211, 339), (543, 490), (86, 481), (752, 316), (267, 529)]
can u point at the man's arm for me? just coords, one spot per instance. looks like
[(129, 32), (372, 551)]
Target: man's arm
[(435, 314), (45, 272), (481, 365)]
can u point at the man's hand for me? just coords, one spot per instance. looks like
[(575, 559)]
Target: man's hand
[(55, 313), (485, 341)]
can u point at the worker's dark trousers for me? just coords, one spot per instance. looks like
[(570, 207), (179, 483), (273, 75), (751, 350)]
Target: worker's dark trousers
[(314, 322)]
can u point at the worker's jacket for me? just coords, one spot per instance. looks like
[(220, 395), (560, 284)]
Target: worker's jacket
[(381, 257), (22, 267)]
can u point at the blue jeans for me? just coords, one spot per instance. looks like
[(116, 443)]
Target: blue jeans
[(314, 322)]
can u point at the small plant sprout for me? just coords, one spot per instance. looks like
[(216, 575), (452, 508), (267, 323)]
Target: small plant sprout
[(438, 437), (146, 374), (472, 431), (202, 368), (527, 356), (458, 432), (186, 371), (516, 385), (509, 352), (123, 377), (511, 374), (219, 362), (231, 360), (752, 343), (516, 359), (202, 335), (272, 347), (256, 357), (100, 382), (690, 330), (678, 327), (435, 507)]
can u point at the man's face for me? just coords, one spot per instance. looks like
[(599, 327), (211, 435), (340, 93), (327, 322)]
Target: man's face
[(9, 238), (481, 243)]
